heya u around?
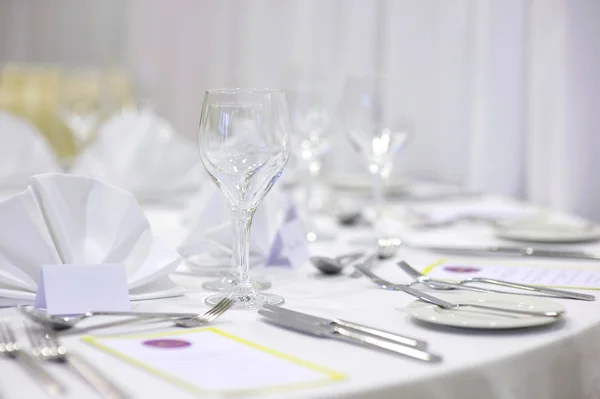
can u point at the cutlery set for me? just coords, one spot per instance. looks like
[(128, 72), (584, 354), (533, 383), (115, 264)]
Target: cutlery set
[(46, 346), (349, 332), (61, 323), (412, 347)]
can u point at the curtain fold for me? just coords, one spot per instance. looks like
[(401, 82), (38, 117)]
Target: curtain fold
[(503, 94)]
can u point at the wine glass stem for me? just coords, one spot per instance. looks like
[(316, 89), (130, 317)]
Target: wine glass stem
[(242, 220), (313, 170), (378, 199)]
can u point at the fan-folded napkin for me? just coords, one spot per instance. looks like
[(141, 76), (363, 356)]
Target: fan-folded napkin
[(24, 152), (66, 219), (141, 153), (277, 237)]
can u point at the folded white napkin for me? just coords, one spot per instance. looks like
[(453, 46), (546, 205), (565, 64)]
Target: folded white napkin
[(211, 235), (65, 219), (24, 151), (141, 153)]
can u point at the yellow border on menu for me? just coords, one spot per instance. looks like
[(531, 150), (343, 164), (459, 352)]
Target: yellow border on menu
[(329, 375), (441, 262)]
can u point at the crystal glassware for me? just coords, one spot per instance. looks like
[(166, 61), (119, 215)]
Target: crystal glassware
[(244, 146), (371, 120), (312, 120)]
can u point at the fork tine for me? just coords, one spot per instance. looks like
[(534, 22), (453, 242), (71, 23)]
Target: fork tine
[(11, 334), (209, 316), (219, 310), (32, 337), (222, 306), (215, 309), (55, 342), (3, 337)]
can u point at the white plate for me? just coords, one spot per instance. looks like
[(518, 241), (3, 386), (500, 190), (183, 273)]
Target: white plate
[(481, 318), (550, 233)]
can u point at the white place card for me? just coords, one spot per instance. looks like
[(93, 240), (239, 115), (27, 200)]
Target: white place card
[(74, 289), (290, 247), (213, 363), (543, 275)]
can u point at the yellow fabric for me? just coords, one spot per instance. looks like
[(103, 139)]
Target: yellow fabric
[(36, 93)]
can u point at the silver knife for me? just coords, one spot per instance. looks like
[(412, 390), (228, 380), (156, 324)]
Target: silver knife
[(348, 335), (400, 339), (88, 372), (512, 251)]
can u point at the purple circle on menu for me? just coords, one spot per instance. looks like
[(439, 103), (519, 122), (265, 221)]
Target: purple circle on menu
[(461, 269), (167, 343)]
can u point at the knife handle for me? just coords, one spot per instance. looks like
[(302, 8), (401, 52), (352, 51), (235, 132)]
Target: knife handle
[(400, 339), (45, 380), (529, 251), (355, 337), (105, 387), (544, 290)]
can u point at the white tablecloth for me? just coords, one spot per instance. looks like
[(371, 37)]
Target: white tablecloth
[(559, 361)]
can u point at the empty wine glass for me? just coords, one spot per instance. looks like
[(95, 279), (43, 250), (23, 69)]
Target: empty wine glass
[(372, 123), (312, 120), (244, 146)]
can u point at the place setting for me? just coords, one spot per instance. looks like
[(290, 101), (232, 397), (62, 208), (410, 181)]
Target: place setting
[(87, 270)]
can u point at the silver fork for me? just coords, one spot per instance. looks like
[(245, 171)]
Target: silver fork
[(46, 346), (11, 347), (445, 304), (190, 322), (461, 284), (216, 311)]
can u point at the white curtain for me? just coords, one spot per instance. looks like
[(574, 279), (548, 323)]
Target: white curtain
[(503, 94)]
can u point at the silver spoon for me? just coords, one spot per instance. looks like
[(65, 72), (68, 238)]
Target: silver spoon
[(351, 218), (386, 248)]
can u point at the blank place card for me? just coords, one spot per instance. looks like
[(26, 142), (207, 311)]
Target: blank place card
[(74, 289)]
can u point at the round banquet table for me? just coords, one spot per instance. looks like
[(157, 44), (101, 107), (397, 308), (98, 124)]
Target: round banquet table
[(557, 361)]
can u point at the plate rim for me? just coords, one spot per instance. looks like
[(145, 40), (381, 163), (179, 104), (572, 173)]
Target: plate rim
[(416, 305), (506, 234)]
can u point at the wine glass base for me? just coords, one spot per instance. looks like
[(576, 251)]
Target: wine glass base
[(226, 284), (247, 302)]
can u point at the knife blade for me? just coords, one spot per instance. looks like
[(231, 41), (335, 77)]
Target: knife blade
[(400, 339), (347, 335), (513, 251)]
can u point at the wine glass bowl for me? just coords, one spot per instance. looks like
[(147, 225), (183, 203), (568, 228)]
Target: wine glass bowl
[(375, 128), (312, 114), (244, 146)]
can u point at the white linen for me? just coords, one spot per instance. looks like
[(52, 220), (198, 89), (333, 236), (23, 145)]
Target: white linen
[(509, 113), (64, 219), (503, 93), (141, 153), (211, 234), (557, 362), (24, 152)]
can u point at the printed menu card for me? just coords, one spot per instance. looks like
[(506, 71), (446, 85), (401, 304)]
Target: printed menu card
[(208, 361)]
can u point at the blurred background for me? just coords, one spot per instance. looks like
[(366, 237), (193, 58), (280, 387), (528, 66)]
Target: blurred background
[(503, 95)]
